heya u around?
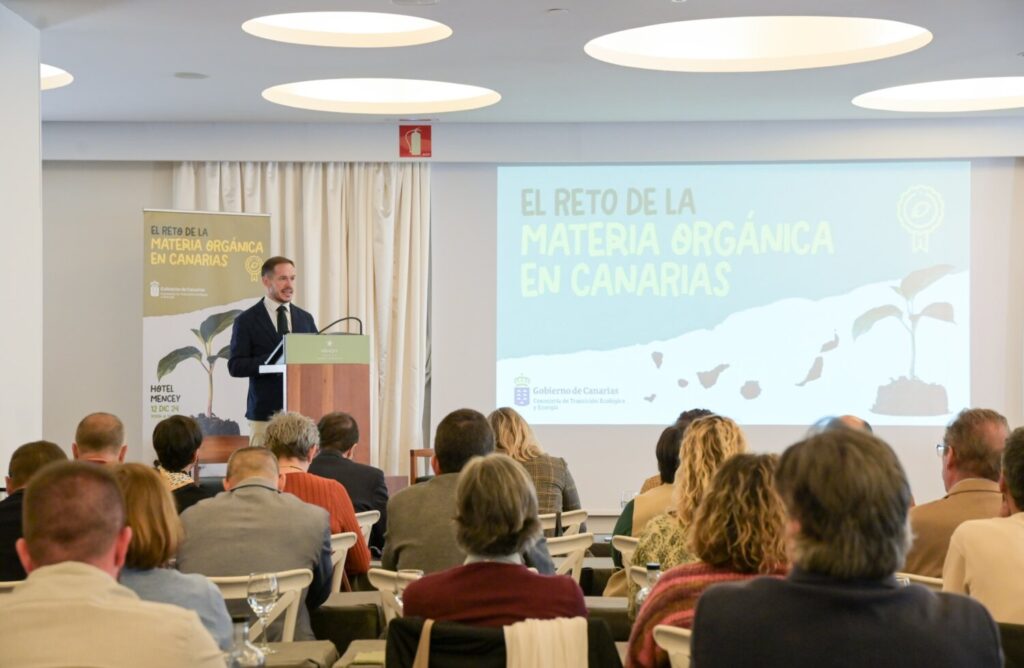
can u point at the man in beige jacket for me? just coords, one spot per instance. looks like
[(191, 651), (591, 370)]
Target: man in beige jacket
[(71, 611), (970, 453)]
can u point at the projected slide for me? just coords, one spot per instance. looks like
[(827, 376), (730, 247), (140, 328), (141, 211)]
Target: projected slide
[(773, 293)]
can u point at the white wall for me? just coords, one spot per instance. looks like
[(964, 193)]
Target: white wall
[(606, 461), (92, 215), (21, 290)]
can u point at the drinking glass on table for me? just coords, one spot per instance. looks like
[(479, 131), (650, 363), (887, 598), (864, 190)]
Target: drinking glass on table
[(262, 596), (625, 499)]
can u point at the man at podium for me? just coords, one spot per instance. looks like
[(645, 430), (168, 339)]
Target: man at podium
[(255, 334)]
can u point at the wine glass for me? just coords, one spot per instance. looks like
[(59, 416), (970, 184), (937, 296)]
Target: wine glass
[(626, 498), (262, 596), (402, 580)]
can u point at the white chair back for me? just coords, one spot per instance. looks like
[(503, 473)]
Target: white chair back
[(626, 545), (574, 549), (935, 584), (341, 543), (366, 520), (289, 584), (8, 587), (638, 574), (676, 642), (387, 582), (572, 520)]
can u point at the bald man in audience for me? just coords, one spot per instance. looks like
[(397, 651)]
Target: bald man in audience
[(71, 611), (25, 462), (252, 527), (100, 439), (846, 497), (970, 451)]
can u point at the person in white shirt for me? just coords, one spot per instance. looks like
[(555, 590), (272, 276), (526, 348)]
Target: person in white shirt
[(71, 611), (986, 557)]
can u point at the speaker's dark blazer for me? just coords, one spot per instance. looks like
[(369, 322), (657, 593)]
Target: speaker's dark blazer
[(253, 338)]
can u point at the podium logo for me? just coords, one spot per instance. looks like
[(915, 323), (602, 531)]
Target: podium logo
[(522, 391)]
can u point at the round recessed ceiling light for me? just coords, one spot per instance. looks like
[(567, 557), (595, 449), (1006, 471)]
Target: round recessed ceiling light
[(985, 94), (757, 43), (381, 96), (349, 29), (53, 77)]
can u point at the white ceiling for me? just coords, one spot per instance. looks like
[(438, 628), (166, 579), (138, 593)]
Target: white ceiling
[(124, 53)]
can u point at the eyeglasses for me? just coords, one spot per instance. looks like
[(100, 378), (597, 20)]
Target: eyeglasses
[(940, 449)]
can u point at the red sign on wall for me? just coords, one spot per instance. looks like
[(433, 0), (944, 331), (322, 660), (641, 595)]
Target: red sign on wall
[(414, 141)]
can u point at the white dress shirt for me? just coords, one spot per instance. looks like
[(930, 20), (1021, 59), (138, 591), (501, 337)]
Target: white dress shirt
[(272, 305)]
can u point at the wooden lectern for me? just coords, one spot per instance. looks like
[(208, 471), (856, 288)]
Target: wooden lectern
[(321, 373)]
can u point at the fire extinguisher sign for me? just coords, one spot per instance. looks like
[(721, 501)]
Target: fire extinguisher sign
[(414, 141)]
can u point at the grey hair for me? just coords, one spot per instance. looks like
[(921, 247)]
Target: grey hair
[(851, 498), (291, 435), (495, 507)]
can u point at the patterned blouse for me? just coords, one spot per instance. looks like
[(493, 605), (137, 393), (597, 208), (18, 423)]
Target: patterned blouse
[(663, 541), (673, 601), (556, 490)]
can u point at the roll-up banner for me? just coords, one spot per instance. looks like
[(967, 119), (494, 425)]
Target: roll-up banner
[(201, 270)]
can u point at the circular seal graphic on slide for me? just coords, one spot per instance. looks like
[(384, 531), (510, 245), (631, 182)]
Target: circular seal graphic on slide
[(920, 211), (252, 265)]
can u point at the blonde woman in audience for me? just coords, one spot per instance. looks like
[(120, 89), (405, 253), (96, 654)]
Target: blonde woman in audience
[(156, 534), (737, 534), (708, 442), (556, 490), (495, 522)]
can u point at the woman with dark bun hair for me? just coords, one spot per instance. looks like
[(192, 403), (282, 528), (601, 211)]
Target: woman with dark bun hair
[(176, 441)]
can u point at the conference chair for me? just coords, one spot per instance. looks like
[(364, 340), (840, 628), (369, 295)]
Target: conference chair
[(935, 584), (366, 520), (455, 645), (572, 520), (416, 457), (626, 545), (676, 642), (638, 574), (574, 549), (8, 587), (341, 543), (390, 585), (289, 584)]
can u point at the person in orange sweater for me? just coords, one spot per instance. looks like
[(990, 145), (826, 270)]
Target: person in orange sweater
[(294, 440)]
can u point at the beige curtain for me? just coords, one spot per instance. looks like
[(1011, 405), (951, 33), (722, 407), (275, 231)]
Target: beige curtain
[(359, 234)]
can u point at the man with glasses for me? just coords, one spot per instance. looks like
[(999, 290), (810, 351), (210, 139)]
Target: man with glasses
[(970, 452)]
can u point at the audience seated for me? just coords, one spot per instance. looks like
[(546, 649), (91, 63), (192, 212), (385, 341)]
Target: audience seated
[(339, 436), (846, 499), (496, 521), (254, 528), (986, 557), (421, 526), (25, 462), (970, 471), (71, 611), (840, 422), (156, 534), (682, 422), (293, 439), (556, 490), (99, 438), (707, 443), (176, 440), (737, 535)]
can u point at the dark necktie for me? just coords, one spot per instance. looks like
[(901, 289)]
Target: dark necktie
[(282, 319)]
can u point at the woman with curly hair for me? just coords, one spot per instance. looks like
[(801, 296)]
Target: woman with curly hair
[(556, 490), (737, 533), (707, 443)]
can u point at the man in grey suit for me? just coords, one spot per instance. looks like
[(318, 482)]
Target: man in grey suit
[(421, 519), (254, 528)]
